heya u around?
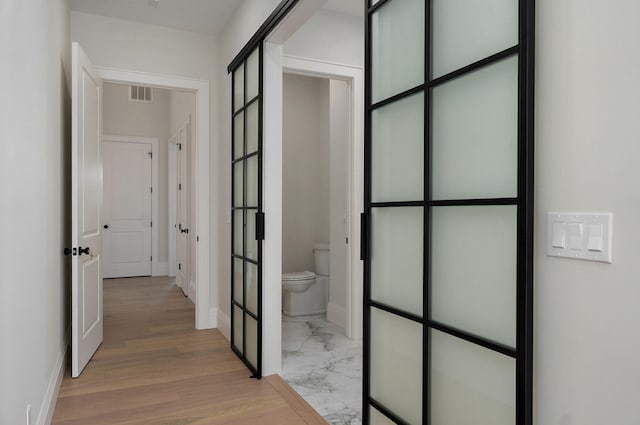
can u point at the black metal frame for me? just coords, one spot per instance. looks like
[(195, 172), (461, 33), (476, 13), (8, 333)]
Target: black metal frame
[(256, 42), (523, 353)]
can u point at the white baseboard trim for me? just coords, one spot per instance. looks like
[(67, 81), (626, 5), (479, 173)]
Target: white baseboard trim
[(45, 416), (192, 291), (337, 315), (224, 324), (160, 268)]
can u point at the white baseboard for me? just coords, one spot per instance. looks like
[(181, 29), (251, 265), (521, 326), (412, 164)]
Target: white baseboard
[(160, 269), (192, 291), (337, 315), (224, 324), (45, 416)]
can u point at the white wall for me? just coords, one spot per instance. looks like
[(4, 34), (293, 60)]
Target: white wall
[(587, 159), (329, 36), (116, 43), (126, 118), (34, 204), (339, 211), (305, 170)]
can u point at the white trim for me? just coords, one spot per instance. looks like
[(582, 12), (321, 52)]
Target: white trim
[(223, 323), (161, 268), (48, 407), (155, 234), (355, 171), (272, 198), (203, 261), (171, 201), (192, 292), (337, 315)]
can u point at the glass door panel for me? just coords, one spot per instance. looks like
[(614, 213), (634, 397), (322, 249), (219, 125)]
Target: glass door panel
[(396, 364), (238, 135), (465, 31), (474, 146), (473, 270), (397, 54), (247, 208), (238, 88), (398, 150), (470, 384), (396, 258)]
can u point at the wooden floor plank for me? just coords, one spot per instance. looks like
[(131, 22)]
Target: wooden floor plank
[(154, 368)]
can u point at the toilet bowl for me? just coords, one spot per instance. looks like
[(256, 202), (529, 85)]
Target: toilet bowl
[(298, 281), (305, 293)]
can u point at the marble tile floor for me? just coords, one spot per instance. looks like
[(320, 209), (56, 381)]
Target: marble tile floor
[(324, 367)]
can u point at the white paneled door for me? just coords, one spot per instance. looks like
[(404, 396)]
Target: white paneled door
[(127, 209), (86, 200)]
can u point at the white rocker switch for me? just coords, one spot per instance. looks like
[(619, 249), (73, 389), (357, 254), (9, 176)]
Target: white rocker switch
[(576, 232), (558, 235), (595, 237)]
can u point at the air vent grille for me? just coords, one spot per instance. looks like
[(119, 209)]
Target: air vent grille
[(140, 94)]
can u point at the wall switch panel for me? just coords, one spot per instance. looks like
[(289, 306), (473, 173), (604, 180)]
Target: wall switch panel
[(580, 236)]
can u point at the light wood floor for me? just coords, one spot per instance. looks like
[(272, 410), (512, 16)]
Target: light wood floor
[(155, 369)]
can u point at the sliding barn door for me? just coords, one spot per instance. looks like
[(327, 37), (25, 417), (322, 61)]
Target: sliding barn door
[(247, 216), (448, 212)]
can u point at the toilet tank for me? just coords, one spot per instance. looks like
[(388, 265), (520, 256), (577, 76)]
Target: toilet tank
[(321, 256)]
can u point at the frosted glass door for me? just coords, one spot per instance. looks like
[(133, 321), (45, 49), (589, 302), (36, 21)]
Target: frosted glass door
[(246, 249), (447, 226)]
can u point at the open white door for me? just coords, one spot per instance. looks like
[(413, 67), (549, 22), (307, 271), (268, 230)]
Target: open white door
[(86, 205)]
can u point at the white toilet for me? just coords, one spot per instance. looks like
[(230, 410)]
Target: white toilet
[(305, 293)]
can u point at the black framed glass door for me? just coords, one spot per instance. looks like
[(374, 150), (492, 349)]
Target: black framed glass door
[(247, 218), (447, 227)]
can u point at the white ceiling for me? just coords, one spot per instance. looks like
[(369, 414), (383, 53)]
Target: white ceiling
[(206, 16)]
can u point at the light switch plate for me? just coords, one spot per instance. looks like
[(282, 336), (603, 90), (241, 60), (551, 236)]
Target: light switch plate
[(580, 236)]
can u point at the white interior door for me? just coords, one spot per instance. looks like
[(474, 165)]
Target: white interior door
[(127, 209), (86, 200), (173, 223), (182, 213)]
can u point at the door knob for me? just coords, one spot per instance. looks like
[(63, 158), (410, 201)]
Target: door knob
[(82, 250), (106, 226)]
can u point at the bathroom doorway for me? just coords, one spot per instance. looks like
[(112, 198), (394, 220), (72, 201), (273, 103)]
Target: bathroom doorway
[(318, 359)]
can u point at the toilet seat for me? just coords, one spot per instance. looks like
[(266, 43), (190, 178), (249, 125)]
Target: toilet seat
[(298, 276)]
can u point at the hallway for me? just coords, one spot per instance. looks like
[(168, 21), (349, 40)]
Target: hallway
[(155, 368)]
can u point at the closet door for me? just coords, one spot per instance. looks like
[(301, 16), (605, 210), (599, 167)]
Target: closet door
[(247, 215), (448, 212)]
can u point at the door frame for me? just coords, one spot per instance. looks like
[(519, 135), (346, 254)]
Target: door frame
[(157, 268), (354, 77), (171, 200), (206, 314)]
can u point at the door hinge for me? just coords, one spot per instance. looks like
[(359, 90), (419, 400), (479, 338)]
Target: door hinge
[(179, 186), (179, 266), (179, 146), (197, 238), (347, 241), (364, 229), (151, 259), (151, 189), (150, 154), (151, 224)]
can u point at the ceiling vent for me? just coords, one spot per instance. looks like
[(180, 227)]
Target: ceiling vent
[(140, 94)]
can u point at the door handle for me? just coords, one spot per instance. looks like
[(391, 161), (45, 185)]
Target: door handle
[(184, 231), (82, 250), (106, 226)]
